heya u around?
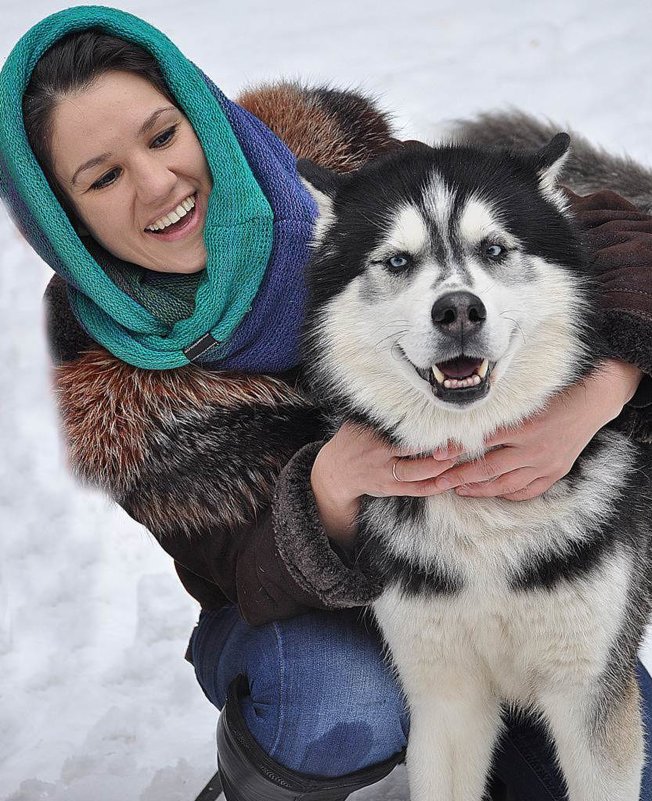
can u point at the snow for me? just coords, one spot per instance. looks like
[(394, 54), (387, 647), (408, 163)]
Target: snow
[(96, 700)]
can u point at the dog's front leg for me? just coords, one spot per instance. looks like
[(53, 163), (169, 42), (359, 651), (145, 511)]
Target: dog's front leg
[(453, 728), (599, 738)]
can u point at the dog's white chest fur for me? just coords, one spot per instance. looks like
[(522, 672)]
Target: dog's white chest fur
[(517, 639), (521, 643), (490, 640)]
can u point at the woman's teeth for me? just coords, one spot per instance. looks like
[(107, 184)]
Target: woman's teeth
[(174, 216)]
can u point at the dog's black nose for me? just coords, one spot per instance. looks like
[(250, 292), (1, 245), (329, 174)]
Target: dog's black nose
[(459, 311)]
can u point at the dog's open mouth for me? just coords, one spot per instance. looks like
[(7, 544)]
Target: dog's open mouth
[(461, 380)]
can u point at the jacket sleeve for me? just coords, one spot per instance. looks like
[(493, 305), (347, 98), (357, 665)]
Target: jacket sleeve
[(619, 240), (282, 563), (215, 465)]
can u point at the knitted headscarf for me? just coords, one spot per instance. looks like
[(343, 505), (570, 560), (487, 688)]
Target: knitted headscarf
[(244, 311)]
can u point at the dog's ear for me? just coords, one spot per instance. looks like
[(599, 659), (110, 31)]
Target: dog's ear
[(318, 178), (323, 185), (550, 160)]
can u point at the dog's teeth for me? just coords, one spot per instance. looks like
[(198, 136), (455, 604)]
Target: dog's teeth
[(439, 376), (462, 383)]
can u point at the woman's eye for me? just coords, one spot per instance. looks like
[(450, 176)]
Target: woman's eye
[(165, 137), (397, 262), (493, 251), (107, 179)]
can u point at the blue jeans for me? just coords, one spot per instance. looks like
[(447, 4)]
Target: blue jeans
[(324, 702)]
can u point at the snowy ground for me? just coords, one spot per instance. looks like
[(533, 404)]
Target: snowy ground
[(96, 701)]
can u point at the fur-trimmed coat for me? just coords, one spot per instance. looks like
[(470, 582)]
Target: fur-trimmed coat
[(217, 465)]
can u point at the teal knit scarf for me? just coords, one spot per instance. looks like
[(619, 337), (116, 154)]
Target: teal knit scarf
[(257, 212)]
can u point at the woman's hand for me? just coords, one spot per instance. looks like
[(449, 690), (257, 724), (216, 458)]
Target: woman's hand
[(530, 459), (357, 462)]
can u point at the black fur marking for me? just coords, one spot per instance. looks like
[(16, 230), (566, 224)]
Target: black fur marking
[(620, 527), (553, 151), (548, 572), (408, 510), (439, 251), (324, 180), (416, 580), (457, 246)]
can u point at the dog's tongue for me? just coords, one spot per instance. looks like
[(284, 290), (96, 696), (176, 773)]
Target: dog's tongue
[(461, 367)]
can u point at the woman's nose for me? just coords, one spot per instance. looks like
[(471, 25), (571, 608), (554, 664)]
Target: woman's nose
[(155, 180)]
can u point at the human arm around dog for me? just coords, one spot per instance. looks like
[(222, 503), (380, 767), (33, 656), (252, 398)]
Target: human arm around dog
[(619, 237), (522, 463), (357, 462)]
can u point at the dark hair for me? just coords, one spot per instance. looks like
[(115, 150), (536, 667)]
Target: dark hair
[(70, 65)]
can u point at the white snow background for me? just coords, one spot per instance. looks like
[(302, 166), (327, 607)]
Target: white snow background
[(96, 700)]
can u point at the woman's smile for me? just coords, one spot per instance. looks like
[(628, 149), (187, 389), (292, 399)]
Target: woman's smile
[(189, 216)]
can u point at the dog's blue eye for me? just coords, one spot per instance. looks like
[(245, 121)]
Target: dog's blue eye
[(397, 262), (493, 251)]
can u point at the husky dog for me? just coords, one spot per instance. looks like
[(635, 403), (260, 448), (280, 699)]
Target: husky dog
[(450, 296)]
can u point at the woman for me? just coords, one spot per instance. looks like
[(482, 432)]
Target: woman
[(179, 231)]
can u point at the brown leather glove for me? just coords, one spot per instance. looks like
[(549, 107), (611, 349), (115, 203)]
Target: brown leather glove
[(619, 238)]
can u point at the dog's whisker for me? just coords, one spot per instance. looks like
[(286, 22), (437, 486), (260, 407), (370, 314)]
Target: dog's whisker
[(511, 319), (393, 335), (392, 322)]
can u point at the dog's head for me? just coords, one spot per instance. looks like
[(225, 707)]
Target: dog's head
[(447, 288)]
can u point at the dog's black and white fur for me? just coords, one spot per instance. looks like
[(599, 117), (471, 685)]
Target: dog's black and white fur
[(450, 296)]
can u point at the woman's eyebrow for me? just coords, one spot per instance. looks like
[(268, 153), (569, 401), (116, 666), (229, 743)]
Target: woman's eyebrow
[(88, 164), (149, 123)]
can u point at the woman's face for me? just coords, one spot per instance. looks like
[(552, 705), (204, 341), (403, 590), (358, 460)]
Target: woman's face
[(127, 159)]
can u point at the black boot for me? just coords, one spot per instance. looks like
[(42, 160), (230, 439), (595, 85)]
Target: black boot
[(249, 774)]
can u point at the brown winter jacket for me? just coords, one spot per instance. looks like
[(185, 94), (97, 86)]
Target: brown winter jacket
[(217, 465)]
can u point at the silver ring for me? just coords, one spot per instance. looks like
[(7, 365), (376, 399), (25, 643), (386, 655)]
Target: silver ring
[(394, 463)]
